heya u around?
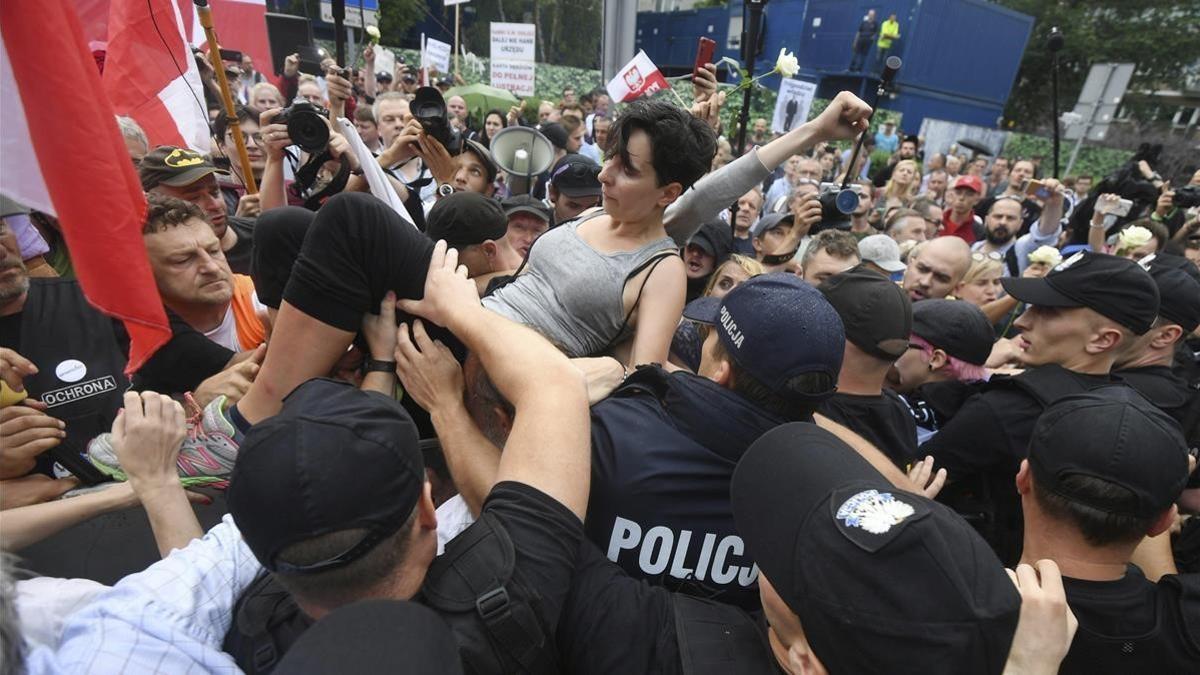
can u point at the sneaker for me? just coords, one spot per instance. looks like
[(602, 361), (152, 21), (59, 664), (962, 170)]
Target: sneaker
[(206, 457)]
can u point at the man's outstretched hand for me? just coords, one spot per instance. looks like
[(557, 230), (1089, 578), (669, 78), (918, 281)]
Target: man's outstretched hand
[(448, 290), (147, 435)]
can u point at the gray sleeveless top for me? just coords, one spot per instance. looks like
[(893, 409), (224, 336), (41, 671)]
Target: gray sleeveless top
[(572, 293)]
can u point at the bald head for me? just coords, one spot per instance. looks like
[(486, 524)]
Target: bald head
[(935, 268)]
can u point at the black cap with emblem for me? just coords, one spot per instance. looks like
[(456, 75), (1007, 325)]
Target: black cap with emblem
[(881, 579), (1117, 288)]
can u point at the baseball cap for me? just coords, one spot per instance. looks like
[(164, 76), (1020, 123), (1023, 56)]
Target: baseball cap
[(876, 313), (1114, 434), (576, 176), (555, 133), (776, 327), (466, 219), (880, 578), (176, 167), (373, 636), (484, 155), (714, 238), (969, 182), (1114, 287), (1179, 295), (881, 250), (334, 458), (769, 221), (956, 327), (524, 203)]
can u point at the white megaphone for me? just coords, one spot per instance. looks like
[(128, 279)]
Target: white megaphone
[(523, 153)]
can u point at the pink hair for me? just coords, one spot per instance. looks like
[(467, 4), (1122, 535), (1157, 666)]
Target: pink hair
[(957, 368)]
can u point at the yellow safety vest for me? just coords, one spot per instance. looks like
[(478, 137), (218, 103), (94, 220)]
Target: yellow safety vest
[(890, 30)]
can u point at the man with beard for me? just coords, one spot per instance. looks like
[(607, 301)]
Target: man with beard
[(1021, 171), (1004, 220)]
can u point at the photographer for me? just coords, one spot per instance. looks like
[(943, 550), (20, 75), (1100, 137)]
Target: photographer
[(1171, 204)]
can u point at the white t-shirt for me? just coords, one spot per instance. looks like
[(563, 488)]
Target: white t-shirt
[(226, 333), (453, 517)]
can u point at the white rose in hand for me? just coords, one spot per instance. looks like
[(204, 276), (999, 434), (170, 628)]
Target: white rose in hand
[(787, 64), (1046, 255), (373, 32)]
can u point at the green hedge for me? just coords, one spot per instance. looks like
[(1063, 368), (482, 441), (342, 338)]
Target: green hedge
[(1092, 160)]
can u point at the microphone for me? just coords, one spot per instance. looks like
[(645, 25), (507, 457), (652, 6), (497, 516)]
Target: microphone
[(1055, 41), (890, 67)]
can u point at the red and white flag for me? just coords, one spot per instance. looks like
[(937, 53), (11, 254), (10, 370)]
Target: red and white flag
[(640, 77), (62, 153), (151, 75)]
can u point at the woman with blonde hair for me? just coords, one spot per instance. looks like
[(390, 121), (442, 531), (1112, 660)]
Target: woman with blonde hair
[(901, 188), (981, 284), (685, 345)]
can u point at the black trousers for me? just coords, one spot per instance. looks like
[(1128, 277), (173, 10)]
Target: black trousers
[(337, 265)]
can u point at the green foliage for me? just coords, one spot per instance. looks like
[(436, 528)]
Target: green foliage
[(1092, 160), (1161, 36), (397, 16), (702, 4)]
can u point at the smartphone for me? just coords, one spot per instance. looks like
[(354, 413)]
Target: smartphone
[(705, 49), (1122, 208), (1035, 188), (232, 55)]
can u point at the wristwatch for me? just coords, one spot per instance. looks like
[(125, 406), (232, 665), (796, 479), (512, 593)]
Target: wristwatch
[(378, 366), (445, 190)]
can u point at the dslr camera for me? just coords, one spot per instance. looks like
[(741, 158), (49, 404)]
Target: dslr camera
[(837, 205), (429, 108), (306, 125), (1186, 197)]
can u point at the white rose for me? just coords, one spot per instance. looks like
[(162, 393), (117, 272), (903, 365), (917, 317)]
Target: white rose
[(373, 32), (1047, 255), (787, 64), (1134, 236)]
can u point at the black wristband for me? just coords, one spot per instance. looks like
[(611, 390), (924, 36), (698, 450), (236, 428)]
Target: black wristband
[(377, 366)]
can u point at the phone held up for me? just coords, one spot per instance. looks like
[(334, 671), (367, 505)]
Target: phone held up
[(705, 49)]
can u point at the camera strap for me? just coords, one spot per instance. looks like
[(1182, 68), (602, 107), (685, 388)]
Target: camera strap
[(306, 176)]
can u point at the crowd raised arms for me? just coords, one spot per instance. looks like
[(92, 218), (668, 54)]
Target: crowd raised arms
[(629, 400)]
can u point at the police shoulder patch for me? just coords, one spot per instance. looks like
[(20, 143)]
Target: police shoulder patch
[(874, 511)]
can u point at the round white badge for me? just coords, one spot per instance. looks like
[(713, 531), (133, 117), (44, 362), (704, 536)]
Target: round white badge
[(71, 370)]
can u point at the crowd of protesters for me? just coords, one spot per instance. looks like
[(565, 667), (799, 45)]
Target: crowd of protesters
[(659, 409)]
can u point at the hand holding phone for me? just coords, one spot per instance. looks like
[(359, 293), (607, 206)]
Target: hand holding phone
[(705, 48)]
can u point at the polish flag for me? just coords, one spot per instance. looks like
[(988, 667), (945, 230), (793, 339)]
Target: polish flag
[(151, 75), (640, 77), (61, 153)]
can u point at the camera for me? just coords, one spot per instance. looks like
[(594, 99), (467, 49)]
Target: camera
[(429, 108), (306, 125), (1186, 197), (837, 205)]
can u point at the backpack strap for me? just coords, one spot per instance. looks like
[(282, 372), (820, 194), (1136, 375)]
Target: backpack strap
[(1049, 383), (473, 587), (266, 622)]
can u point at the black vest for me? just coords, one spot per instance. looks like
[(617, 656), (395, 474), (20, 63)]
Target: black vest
[(80, 363)]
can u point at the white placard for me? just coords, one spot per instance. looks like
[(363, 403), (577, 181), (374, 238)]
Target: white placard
[(436, 55), (451, 3), (385, 60), (353, 18), (513, 42), (515, 76), (792, 106)]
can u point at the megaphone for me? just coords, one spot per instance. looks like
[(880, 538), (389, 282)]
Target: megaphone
[(522, 153)]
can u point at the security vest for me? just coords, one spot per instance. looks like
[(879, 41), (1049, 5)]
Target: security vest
[(890, 30)]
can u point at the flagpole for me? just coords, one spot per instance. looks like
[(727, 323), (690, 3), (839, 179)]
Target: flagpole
[(205, 13), (457, 23)]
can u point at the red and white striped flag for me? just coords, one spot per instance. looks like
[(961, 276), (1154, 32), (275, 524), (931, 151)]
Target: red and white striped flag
[(61, 153), (640, 77), (151, 75)]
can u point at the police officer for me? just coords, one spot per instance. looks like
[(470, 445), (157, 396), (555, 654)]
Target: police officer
[(1080, 317), (664, 445), (857, 577), (1104, 471), (1146, 363)]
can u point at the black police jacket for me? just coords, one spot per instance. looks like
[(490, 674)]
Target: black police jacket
[(664, 447)]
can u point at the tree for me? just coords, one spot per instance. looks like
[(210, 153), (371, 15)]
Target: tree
[(568, 31), (397, 16), (1161, 36)]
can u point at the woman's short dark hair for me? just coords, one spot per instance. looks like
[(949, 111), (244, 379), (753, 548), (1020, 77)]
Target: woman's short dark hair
[(244, 113), (682, 146)]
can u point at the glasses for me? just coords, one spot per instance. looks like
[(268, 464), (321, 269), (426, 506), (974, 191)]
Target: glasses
[(980, 256), (256, 136)]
